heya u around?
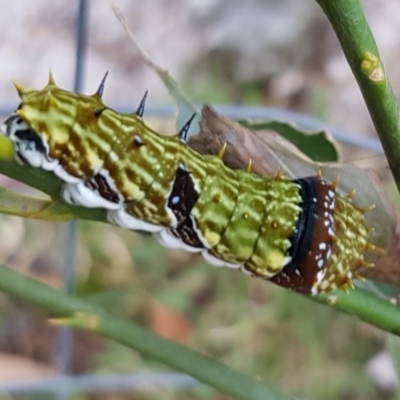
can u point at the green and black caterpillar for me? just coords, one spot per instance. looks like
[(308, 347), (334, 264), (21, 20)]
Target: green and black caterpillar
[(301, 234)]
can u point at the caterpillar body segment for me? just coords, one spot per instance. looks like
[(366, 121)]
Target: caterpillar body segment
[(300, 234)]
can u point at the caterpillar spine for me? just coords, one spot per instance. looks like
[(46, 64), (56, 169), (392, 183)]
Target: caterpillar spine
[(301, 234)]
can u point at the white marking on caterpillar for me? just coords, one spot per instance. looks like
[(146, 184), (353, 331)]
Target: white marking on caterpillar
[(65, 176), (12, 126), (121, 218), (246, 271), (285, 262), (80, 194), (168, 239), (171, 214), (199, 234), (49, 164), (217, 262), (212, 260), (94, 184), (175, 200), (27, 151), (319, 278), (26, 148)]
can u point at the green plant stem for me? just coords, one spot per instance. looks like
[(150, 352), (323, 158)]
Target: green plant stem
[(56, 210), (348, 20), (74, 312), (38, 178), (367, 306)]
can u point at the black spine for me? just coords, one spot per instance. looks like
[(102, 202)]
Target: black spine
[(140, 110), (100, 90), (185, 128)]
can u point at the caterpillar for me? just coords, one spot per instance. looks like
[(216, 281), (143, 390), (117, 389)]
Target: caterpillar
[(300, 234)]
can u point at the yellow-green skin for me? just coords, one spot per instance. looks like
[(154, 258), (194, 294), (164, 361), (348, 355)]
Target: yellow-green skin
[(242, 218)]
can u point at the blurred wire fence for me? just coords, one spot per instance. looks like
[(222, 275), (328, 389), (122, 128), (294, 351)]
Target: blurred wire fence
[(65, 384)]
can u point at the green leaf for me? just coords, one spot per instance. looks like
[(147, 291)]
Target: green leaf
[(318, 145)]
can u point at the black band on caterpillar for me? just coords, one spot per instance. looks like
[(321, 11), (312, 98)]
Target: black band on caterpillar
[(300, 234), (183, 195), (181, 201), (311, 243)]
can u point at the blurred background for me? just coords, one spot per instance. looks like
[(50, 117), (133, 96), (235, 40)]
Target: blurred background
[(270, 53)]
